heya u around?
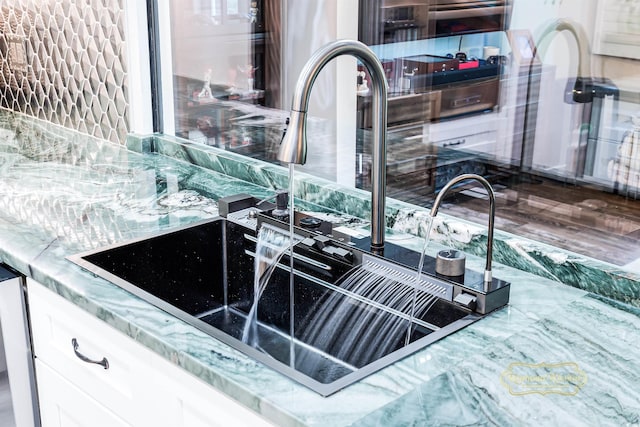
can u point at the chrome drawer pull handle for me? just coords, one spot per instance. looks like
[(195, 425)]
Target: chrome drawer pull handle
[(104, 362)]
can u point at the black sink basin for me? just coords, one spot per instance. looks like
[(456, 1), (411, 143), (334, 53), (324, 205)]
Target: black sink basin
[(203, 274)]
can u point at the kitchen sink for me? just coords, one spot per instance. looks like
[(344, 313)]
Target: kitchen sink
[(204, 275)]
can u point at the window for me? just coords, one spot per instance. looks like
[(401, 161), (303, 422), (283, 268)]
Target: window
[(513, 94)]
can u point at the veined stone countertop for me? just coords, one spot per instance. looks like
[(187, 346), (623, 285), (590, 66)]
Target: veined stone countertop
[(556, 355)]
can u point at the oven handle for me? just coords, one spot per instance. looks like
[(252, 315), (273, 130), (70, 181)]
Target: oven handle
[(461, 4), (435, 15)]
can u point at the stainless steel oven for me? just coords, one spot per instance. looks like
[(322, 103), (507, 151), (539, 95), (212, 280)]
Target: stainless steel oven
[(456, 90), (388, 21), (458, 17), (433, 77), (456, 84), (15, 344)]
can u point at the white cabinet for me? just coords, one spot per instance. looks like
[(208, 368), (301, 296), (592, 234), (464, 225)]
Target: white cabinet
[(85, 367), (191, 402), (57, 325), (477, 133), (64, 405)]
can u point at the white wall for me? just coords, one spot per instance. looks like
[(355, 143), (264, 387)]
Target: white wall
[(332, 106), (558, 122)]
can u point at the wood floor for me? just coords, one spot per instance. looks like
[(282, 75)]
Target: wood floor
[(6, 408), (590, 221)]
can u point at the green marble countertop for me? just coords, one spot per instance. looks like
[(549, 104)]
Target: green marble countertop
[(556, 355)]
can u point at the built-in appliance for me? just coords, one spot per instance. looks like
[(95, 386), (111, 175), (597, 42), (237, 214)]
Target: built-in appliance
[(457, 86), (17, 348), (449, 17), (404, 20), (458, 82), (445, 64)]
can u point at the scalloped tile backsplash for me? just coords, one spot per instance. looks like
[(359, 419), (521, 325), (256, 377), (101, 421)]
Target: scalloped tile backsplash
[(65, 62)]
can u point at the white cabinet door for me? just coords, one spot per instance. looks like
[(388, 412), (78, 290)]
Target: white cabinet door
[(64, 405), (67, 339), (140, 386), (189, 402)]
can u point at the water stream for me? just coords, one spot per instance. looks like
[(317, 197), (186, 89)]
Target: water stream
[(356, 330), (425, 245), (271, 246), (292, 239), (359, 331)]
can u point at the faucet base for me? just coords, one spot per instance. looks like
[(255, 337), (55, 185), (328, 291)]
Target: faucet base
[(468, 290)]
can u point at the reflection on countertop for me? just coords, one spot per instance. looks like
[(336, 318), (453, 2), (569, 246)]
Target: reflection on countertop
[(535, 207), (461, 230), (63, 193)]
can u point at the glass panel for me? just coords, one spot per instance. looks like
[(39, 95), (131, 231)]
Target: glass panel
[(541, 98), (231, 91), (232, 7), (216, 55), (216, 8)]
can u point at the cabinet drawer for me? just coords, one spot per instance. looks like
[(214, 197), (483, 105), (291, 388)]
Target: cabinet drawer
[(58, 324), (64, 405)]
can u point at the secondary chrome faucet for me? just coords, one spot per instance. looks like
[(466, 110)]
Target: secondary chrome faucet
[(492, 214), (582, 91), (293, 148)]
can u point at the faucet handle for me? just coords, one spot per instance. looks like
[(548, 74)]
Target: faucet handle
[(282, 199), (281, 211), (293, 146), (284, 131)]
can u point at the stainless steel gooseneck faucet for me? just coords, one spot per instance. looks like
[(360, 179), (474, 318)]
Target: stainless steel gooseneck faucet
[(583, 87), (492, 214), (293, 148)]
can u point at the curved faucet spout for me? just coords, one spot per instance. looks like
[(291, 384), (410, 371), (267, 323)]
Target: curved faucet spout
[(293, 148), (582, 91), (492, 214), (579, 35)]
